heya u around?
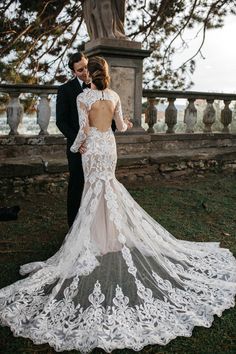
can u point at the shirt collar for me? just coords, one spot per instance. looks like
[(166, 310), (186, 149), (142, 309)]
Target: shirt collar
[(80, 81)]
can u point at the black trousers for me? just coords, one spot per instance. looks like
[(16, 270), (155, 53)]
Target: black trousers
[(75, 185)]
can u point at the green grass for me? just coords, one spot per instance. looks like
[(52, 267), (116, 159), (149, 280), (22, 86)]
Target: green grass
[(197, 209)]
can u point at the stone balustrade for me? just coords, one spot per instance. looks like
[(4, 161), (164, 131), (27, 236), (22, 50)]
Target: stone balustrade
[(37, 161), (15, 112), (190, 114)]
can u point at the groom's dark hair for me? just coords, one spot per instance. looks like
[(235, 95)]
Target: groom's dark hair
[(75, 58)]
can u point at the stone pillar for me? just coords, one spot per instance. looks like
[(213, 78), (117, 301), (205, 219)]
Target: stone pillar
[(151, 115), (209, 116), (226, 116), (171, 115), (43, 114), (15, 113), (125, 59), (190, 116)]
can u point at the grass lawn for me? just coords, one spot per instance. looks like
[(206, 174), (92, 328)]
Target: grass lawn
[(197, 209)]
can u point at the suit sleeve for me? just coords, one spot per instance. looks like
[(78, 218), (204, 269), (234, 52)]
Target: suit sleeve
[(118, 116), (84, 126), (62, 114), (113, 125)]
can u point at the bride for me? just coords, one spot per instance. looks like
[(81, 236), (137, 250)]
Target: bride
[(119, 280)]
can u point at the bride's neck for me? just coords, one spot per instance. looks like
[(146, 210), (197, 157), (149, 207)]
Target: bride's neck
[(93, 87)]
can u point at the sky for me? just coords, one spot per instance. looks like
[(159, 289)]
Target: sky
[(217, 72)]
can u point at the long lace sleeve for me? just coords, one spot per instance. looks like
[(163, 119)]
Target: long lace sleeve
[(118, 116), (84, 126)]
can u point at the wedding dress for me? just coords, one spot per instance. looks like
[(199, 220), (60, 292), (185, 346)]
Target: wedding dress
[(119, 280)]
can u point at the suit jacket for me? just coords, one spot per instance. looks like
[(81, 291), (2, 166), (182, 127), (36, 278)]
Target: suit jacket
[(67, 119)]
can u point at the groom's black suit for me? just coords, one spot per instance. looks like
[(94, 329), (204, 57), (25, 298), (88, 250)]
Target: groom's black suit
[(67, 121)]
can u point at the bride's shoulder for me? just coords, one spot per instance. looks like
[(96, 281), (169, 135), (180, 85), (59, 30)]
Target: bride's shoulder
[(114, 94), (83, 96)]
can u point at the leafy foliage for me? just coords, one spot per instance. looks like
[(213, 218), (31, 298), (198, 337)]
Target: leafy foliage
[(38, 36)]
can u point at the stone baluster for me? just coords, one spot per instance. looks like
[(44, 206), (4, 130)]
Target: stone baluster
[(190, 116), (226, 116), (209, 116), (43, 113), (15, 113), (171, 115), (151, 115)]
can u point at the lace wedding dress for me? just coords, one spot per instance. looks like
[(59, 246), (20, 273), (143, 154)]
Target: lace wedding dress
[(119, 280)]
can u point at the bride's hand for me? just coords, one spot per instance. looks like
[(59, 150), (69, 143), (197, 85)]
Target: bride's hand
[(129, 125), (82, 148), (127, 121)]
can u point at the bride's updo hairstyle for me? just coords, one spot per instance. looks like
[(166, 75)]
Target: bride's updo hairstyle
[(99, 72)]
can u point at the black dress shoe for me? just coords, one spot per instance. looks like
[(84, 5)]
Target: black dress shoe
[(10, 213)]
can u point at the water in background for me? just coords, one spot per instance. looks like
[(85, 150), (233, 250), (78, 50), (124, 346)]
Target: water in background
[(29, 125)]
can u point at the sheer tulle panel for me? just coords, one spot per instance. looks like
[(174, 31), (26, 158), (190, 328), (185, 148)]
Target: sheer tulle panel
[(126, 301)]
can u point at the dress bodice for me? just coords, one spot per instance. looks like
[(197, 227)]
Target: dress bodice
[(84, 103), (89, 97)]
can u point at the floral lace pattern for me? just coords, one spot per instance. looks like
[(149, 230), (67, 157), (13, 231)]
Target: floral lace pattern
[(84, 104), (119, 280)]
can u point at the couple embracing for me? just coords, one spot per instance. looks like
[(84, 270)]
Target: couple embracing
[(67, 120)]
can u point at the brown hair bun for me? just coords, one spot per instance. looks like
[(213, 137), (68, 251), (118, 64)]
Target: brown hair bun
[(99, 72)]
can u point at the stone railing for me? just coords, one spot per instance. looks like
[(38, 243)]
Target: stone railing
[(190, 113), (15, 112), (37, 161)]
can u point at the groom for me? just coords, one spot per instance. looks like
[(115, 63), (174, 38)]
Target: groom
[(67, 121)]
